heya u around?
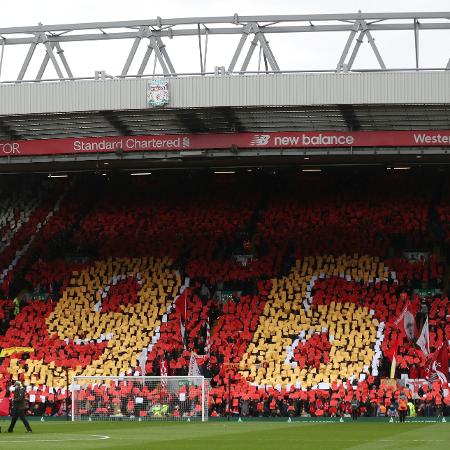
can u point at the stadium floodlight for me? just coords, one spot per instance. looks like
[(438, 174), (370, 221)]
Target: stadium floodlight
[(140, 398), (402, 168), (140, 174), (61, 175)]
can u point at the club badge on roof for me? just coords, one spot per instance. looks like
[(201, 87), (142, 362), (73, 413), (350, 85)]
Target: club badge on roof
[(157, 92)]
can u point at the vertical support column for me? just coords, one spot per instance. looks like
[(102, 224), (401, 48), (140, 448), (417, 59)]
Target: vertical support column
[(1, 55), (416, 41), (202, 69)]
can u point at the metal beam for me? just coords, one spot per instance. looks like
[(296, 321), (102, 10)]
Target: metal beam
[(160, 23), (362, 27), (255, 29), (49, 49), (375, 49), (356, 24), (63, 59), (27, 60), (238, 50), (359, 41), (235, 30), (133, 50), (145, 60), (267, 51), (348, 44), (416, 41)]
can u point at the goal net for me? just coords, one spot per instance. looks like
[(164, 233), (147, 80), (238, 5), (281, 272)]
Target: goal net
[(140, 398)]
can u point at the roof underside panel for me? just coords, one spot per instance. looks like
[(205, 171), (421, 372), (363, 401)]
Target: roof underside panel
[(220, 120)]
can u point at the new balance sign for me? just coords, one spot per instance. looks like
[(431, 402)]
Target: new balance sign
[(224, 141)]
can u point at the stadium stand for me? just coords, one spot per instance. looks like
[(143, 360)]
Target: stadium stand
[(287, 293)]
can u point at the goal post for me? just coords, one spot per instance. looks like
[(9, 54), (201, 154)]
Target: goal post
[(174, 398)]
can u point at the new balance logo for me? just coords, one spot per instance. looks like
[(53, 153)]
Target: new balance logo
[(260, 140)]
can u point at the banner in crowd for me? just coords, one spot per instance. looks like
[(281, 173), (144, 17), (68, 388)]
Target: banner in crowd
[(406, 322), (225, 141), (437, 365), (194, 370), (424, 339), (11, 350)]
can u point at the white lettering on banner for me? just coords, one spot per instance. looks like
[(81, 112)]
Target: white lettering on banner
[(97, 146), (311, 141), (155, 143), (287, 140), (320, 139), (426, 139), (11, 148)]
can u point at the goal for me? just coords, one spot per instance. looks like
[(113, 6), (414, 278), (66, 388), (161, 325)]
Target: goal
[(140, 398)]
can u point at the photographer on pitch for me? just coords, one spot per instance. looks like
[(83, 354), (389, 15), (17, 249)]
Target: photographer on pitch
[(18, 407)]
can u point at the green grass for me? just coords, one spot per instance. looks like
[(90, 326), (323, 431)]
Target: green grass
[(254, 435)]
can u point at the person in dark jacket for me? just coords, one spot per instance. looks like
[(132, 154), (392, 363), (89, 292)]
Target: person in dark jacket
[(355, 408), (18, 407)]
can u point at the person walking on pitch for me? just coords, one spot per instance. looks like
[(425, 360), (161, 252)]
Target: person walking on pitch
[(18, 407)]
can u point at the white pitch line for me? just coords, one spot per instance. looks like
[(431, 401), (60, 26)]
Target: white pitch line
[(97, 436)]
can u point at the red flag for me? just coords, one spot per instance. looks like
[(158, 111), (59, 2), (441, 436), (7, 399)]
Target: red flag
[(181, 305), (4, 406), (406, 322), (437, 365), (393, 348)]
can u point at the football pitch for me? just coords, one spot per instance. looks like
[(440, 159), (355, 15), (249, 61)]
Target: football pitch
[(252, 435)]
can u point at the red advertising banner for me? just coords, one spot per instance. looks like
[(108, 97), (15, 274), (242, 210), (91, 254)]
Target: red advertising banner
[(224, 141)]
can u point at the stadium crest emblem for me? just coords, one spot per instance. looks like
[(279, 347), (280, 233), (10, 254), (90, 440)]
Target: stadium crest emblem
[(157, 92)]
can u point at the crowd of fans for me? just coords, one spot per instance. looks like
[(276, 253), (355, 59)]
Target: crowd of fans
[(267, 263)]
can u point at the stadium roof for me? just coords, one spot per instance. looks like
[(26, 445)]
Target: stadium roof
[(225, 119)]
